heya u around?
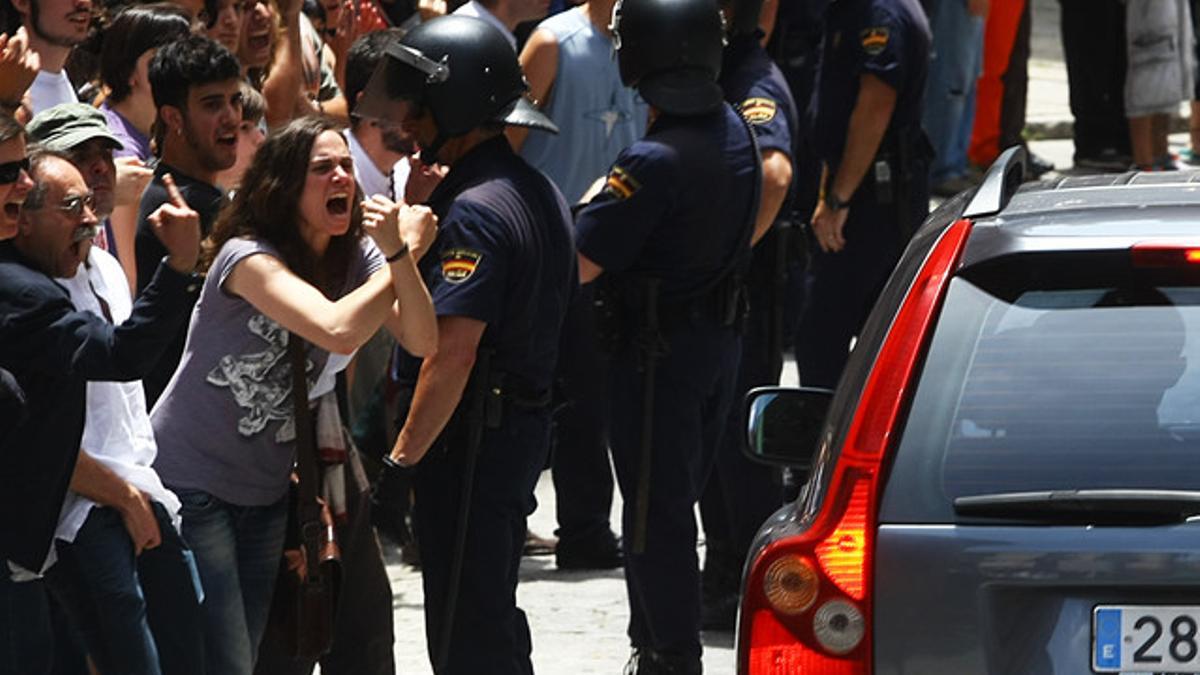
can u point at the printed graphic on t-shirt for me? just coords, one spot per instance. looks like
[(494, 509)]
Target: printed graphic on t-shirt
[(261, 382)]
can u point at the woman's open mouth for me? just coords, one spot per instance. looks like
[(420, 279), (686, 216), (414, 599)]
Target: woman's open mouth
[(339, 204)]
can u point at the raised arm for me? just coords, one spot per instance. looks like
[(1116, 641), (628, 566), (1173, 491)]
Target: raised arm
[(395, 228)]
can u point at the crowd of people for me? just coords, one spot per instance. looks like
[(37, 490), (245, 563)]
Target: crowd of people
[(482, 247)]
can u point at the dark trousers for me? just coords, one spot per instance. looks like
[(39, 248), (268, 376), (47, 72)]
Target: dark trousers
[(137, 613), (693, 387), (1093, 35), (740, 493), (490, 633), (841, 288), (1015, 81), (583, 481)]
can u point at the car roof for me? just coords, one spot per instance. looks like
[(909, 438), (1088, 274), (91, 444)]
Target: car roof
[(1101, 212)]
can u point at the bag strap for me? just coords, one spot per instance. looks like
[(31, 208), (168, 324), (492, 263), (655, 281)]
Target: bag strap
[(306, 451)]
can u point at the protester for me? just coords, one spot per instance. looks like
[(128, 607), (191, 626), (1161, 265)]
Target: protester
[(1093, 38), (18, 69), (199, 100), (53, 349), (53, 28), (949, 116), (504, 15), (223, 20), (252, 131), (288, 258), (1158, 41)]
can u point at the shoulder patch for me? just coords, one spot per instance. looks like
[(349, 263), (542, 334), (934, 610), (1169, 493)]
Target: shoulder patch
[(758, 110), (875, 40), (621, 184), (458, 264)]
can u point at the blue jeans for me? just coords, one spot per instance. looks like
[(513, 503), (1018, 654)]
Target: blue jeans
[(237, 549), (950, 92), (137, 613)]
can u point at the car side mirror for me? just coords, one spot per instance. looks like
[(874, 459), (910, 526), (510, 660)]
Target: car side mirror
[(784, 424)]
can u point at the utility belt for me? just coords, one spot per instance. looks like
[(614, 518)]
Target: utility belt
[(904, 155), (489, 398), (629, 311)]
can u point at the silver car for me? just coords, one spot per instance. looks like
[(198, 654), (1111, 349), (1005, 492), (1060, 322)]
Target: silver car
[(1007, 478)]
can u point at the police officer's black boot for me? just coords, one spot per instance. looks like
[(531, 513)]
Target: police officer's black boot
[(649, 662)]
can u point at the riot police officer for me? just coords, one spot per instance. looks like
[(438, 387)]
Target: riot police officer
[(668, 237), (741, 494), (501, 273), (875, 190)]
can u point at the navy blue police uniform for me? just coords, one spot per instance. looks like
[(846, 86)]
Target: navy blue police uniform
[(889, 39), (741, 494), (504, 256), (676, 208)]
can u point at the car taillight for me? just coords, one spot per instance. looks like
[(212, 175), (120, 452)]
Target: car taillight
[(807, 604), (1158, 254)]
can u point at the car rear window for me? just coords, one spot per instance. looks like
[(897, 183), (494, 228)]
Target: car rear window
[(1052, 389)]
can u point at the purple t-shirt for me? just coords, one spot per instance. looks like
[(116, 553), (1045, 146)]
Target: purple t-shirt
[(136, 143), (224, 423)]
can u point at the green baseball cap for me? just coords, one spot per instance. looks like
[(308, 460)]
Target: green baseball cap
[(67, 125)]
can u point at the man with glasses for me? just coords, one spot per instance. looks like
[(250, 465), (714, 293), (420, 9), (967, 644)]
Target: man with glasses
[(54, 349), (116, 537)]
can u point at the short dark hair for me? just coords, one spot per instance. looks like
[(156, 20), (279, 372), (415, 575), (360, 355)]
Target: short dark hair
[(362, 58), (192, 61), (10, 128), (134, 30)]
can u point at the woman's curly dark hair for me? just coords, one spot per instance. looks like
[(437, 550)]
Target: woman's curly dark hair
[(266, 207)]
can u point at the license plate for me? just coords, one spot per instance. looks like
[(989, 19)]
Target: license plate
[(1146, 639)]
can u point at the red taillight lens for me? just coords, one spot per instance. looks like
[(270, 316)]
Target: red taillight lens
[(1154, 254), (841, 537)]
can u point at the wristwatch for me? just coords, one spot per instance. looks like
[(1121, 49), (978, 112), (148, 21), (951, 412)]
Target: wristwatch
[(834, 203)]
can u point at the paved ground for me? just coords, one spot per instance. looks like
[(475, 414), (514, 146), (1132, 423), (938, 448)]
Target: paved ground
[(578, 619)]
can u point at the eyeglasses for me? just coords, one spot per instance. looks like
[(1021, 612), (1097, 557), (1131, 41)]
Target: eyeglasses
[(10, 172), (73, 206)]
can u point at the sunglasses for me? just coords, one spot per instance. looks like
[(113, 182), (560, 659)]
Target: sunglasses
[(10, 172)]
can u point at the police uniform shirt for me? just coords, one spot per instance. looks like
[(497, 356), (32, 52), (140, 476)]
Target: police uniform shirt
[(675, 204), (504, 256), (755, 86), (886, 38)]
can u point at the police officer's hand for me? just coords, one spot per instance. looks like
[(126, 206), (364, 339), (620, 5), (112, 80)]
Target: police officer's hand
[(827, 225), (389, 501)]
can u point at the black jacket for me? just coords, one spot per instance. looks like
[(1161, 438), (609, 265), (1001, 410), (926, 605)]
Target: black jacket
[(53, 350)]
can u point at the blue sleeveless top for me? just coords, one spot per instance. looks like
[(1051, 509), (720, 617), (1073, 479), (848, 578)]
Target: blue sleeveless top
[(597, 116)]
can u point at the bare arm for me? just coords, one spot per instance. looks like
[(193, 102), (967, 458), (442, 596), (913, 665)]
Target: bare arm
[(286, 79), (393, 226), (539, 60), (99, 484), (777, 179), (412, 320), (339, 326), (588, 270), (868, 124), (440, 387)]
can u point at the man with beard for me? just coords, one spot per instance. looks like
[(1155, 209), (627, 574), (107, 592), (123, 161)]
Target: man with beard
[(195, 82), (53, 27), (379, 148)]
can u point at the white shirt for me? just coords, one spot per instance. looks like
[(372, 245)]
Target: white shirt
[(50, 89), (117, 431), (370, 178), (473, 8)]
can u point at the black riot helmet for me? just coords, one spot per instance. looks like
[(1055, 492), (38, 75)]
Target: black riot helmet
[(745, 16), (462, 69), (670, 51)]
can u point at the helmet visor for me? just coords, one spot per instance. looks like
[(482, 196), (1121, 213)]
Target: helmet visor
[(399, 83)]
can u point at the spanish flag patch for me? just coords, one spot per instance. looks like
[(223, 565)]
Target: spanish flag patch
[(875, 40), (621, 184), (758, 110), (458, 264)]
